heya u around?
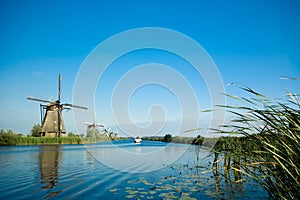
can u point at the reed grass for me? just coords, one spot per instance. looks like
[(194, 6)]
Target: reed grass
[(10, 138), (270, 146)]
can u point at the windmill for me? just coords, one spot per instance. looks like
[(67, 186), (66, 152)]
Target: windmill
[(52, 121), (92, 127), (105, 131)]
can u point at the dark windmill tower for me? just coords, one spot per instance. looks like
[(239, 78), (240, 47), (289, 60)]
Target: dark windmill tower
[(52, 121)]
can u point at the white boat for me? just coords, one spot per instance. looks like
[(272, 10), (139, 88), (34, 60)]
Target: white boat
[(138, 139)]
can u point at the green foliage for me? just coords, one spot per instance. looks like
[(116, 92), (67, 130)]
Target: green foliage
[(8, 137), (176, 139), (93, 133), (182, 140), (71, 134), (35, 131), (153, 138), (269, 151), (168, 138)]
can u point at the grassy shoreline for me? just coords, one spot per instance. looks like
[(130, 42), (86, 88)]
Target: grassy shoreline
[(10, 138)]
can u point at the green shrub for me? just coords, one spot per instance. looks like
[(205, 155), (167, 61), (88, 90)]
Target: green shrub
[(35, 131), (168, 138)]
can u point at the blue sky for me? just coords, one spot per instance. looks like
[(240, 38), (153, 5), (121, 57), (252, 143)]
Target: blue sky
[(253, 42)]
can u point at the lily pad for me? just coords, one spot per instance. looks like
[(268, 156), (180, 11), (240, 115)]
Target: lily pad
[(193, 189), (131, 192), (130, 181), (144, 193), (167, 195), (130, 196), (187, 198), (152, 192), (177, 189), (114, 190), (146, 182), (186, 194)]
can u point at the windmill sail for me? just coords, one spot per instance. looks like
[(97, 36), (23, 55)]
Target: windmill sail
[(40, 100)]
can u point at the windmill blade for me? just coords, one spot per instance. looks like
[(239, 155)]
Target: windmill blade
[(95, 122), (67, 109), (74, 106), (40, 100), (88, 123), (58, 95), (95, 118)]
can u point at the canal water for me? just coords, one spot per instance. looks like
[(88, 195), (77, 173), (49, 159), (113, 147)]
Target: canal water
[(118, 170)]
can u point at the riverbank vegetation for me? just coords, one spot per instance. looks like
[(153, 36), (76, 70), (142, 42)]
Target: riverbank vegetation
[(9, 137), (269, 148), (177, 139)]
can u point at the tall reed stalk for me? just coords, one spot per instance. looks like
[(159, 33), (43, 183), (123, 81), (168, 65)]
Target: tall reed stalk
[(271, 130)]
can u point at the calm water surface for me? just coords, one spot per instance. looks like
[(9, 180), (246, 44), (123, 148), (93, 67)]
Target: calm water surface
[(75, 172)]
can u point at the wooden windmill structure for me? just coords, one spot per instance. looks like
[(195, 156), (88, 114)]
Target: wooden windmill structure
[(92, 130), (91, 126), (52, 120)]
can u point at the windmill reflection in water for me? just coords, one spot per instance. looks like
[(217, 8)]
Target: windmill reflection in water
[(50, 158)]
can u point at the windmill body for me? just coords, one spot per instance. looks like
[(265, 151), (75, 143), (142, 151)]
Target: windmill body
[(52, 121), (92, 128), (50, 125)]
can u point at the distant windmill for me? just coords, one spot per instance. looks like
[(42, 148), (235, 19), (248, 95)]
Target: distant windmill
[(91, 126), (52, 121), (105, 131)]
